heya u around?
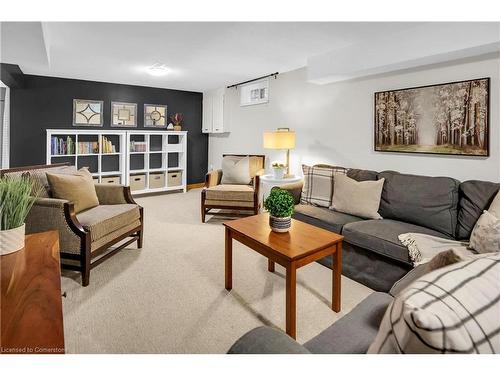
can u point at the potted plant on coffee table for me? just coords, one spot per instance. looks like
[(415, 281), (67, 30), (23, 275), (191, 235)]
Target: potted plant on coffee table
[(280, 204), (16, 200)]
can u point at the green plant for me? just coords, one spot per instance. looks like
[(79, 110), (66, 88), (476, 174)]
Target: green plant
[(279, 203), (16, 201), (278, 165)]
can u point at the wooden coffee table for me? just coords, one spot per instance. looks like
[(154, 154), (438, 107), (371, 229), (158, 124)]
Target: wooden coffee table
[(302, 245)]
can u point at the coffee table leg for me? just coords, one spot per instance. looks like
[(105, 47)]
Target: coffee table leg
[(291, 283), (336, 278), (229, 260), (270, 265)]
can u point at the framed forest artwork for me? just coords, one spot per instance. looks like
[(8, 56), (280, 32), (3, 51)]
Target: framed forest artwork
[(450, 118)]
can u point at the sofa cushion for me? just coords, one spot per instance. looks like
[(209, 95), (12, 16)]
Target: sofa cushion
[(362, 174), (266, 340), (354, 332), (323, 217), (228, 192), (428, 201), (474, 198), (105, 219), (381, 236)]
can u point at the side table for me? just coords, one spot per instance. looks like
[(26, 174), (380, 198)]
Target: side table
[(268, 181)]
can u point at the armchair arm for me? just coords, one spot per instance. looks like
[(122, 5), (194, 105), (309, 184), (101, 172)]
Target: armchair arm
[(51, 214), (266, 340), (295, 189), (213, 178), (113, 194)]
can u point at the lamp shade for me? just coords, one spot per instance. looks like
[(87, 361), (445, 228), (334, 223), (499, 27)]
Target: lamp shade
[(279, 140)]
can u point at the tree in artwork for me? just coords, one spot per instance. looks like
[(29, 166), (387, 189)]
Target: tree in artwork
[(449, 119)]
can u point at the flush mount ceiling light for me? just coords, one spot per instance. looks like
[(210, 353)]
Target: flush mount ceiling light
[(158, 69)]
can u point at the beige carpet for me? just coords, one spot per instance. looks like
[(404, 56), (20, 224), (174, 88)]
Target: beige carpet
[(169, 297)]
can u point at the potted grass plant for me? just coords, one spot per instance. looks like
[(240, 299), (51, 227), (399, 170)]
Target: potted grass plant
[(280, 205), (177, 120), (16, 200)]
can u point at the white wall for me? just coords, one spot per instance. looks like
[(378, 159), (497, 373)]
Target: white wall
[(334, 123)]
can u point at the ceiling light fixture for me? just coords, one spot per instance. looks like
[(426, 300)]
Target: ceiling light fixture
[(158, 70)]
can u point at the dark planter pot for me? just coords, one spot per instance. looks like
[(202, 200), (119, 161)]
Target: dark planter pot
[(280, 224)]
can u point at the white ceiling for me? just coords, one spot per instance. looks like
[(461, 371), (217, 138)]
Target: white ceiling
[(200, 56)]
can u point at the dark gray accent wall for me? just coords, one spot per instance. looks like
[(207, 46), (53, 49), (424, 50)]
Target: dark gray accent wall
[(47, 103)]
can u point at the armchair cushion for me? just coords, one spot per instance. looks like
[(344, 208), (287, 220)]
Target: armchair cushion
[(77, 188), (105, 219), (236, 170), (240, 193)]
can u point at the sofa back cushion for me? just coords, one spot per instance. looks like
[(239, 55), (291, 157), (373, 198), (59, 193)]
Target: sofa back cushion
[(474, 198), (362, 174), (427, 201)]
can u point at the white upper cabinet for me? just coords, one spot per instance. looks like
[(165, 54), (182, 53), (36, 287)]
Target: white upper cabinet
[(213, 112)]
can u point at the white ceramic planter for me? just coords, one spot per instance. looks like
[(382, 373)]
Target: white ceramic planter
[(280, 224), (279, 173), (12, 240)]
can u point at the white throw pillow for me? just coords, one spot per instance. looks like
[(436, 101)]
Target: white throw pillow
[(485, 237), (357, 198), (236, 170), (454, 309)]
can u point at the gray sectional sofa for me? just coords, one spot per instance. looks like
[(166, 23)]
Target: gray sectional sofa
[(352, 334), (372, 252)]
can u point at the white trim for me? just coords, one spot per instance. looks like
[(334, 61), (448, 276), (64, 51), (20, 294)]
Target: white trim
[(5, 130)]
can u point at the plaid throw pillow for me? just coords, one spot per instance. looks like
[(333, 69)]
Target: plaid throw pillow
[(454, 309), (318, 184)]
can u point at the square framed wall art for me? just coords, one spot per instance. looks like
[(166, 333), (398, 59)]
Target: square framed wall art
[(155, 116), (87, 112), (451, 118), (123, 114)]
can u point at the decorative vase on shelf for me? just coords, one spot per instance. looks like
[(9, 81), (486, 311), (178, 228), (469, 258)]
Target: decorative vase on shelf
[(12, 240), (177, 120), (177, 128)]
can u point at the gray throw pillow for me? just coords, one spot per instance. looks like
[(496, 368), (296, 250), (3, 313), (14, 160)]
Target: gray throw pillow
[(236, 170), (357, 198)]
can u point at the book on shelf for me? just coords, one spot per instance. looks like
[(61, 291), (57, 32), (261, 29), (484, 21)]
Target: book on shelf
[(88, 147), (61, 146), (107, 146)]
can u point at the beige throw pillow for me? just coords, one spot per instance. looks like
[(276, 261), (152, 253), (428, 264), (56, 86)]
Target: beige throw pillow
[(357, 198), (77, 188), (494, 208), (485, 237), (236, 170)]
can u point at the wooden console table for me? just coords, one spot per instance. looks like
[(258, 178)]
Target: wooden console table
[(31, 307)]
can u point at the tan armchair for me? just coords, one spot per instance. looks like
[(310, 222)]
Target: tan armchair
[(84, 238), (228, 196)]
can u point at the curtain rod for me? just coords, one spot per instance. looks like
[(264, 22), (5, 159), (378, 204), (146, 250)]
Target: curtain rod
[(252, 80)]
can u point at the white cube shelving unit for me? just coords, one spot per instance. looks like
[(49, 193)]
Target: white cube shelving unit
[(164, 152)]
